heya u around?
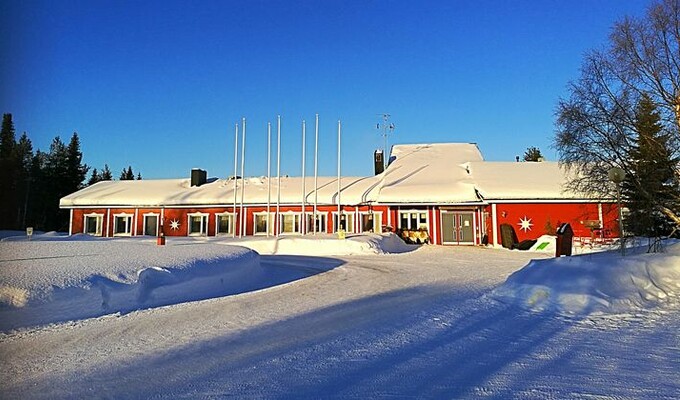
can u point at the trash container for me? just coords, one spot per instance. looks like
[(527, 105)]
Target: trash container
[(565, 236)]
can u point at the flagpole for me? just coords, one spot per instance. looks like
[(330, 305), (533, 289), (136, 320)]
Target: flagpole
[(269, 174), (316, 164), (339, 210), (303, 222), (233, 233), (243, 176), (278, 174)]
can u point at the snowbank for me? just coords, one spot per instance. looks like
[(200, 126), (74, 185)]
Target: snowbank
[(326, 244), (51, 281), (597, 283), (54, 278)]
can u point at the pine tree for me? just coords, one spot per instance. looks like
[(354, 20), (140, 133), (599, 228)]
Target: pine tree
[(37, 205), (533, 154), (76, 170), (652, 182), (127, 174), (106, 174), (24, 156), (58, 183), (8, 173), (139, 176), (94, 178)]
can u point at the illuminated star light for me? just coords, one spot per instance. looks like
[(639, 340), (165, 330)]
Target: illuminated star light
[(174, 224), (525, 224)]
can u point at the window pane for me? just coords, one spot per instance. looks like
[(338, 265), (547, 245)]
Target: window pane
[(367, 223), (122, 224), (287, 223), (91, 225), (261, 223), (195, 226), (223, 223), (150, 223), (404, 221)]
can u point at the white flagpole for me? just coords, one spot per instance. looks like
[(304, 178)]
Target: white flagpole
[(243, 176), (339, 210), (233, 232), (269, 175), (303, 222), (278, 174), (316, 164)]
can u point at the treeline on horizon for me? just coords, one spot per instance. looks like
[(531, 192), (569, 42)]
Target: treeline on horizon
[(32, 183)]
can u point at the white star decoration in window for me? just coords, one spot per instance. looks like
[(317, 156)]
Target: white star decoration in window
[(525, 224), (174, 224)]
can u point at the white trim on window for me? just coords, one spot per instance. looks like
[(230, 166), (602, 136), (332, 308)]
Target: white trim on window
[(377, 221), (420, 222), (269, 222), (296, 225), (99, 218), (158, 223), (203, 225), (126, 228), (348, 224), (309, 221), (231, 217)]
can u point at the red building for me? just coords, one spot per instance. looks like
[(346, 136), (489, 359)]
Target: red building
[(441, 193)]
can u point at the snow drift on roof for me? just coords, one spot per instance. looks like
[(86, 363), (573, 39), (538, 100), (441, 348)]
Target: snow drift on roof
[(429, 173)]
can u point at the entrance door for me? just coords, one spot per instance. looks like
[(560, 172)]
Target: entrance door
[(151, 225), (458, 228)]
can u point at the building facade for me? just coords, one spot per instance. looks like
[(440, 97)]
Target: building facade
[(430, 193)]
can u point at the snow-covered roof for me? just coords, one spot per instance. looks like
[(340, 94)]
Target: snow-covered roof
[(429, 173), (520, 180), (439, 173), (179, 192)]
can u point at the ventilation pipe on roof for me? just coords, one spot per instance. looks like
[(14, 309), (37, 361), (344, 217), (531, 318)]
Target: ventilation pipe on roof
[(198, 177), (379, 162)]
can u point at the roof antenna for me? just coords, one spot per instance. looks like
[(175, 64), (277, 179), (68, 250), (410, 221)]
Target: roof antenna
[(387, 128)]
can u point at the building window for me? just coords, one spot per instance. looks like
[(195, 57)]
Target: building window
[(319, 224), (93, 224), (122, 225), (151, 224), (224, 223), (262, 223), (198, 224), (371, 222), (346, 221), (289, 223), (413, 220)]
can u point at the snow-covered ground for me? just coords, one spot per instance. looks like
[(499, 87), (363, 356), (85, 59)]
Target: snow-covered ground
[(370, 318)]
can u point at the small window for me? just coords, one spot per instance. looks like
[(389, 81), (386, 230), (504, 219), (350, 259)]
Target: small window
[(346, 222), (93, 224), (122, 225), (198, 224), (290, 223), (262, 223), (151, 224), (413, 220), (319, 224), (371, 222), (225, 223)]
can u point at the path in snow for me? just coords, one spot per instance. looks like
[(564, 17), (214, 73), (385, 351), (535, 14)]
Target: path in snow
[(414, 324)]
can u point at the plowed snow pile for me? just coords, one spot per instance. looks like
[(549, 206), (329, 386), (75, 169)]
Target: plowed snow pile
[(54, 278), (598, 283)]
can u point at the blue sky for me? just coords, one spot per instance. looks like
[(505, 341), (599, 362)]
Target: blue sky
[(159, 85)]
